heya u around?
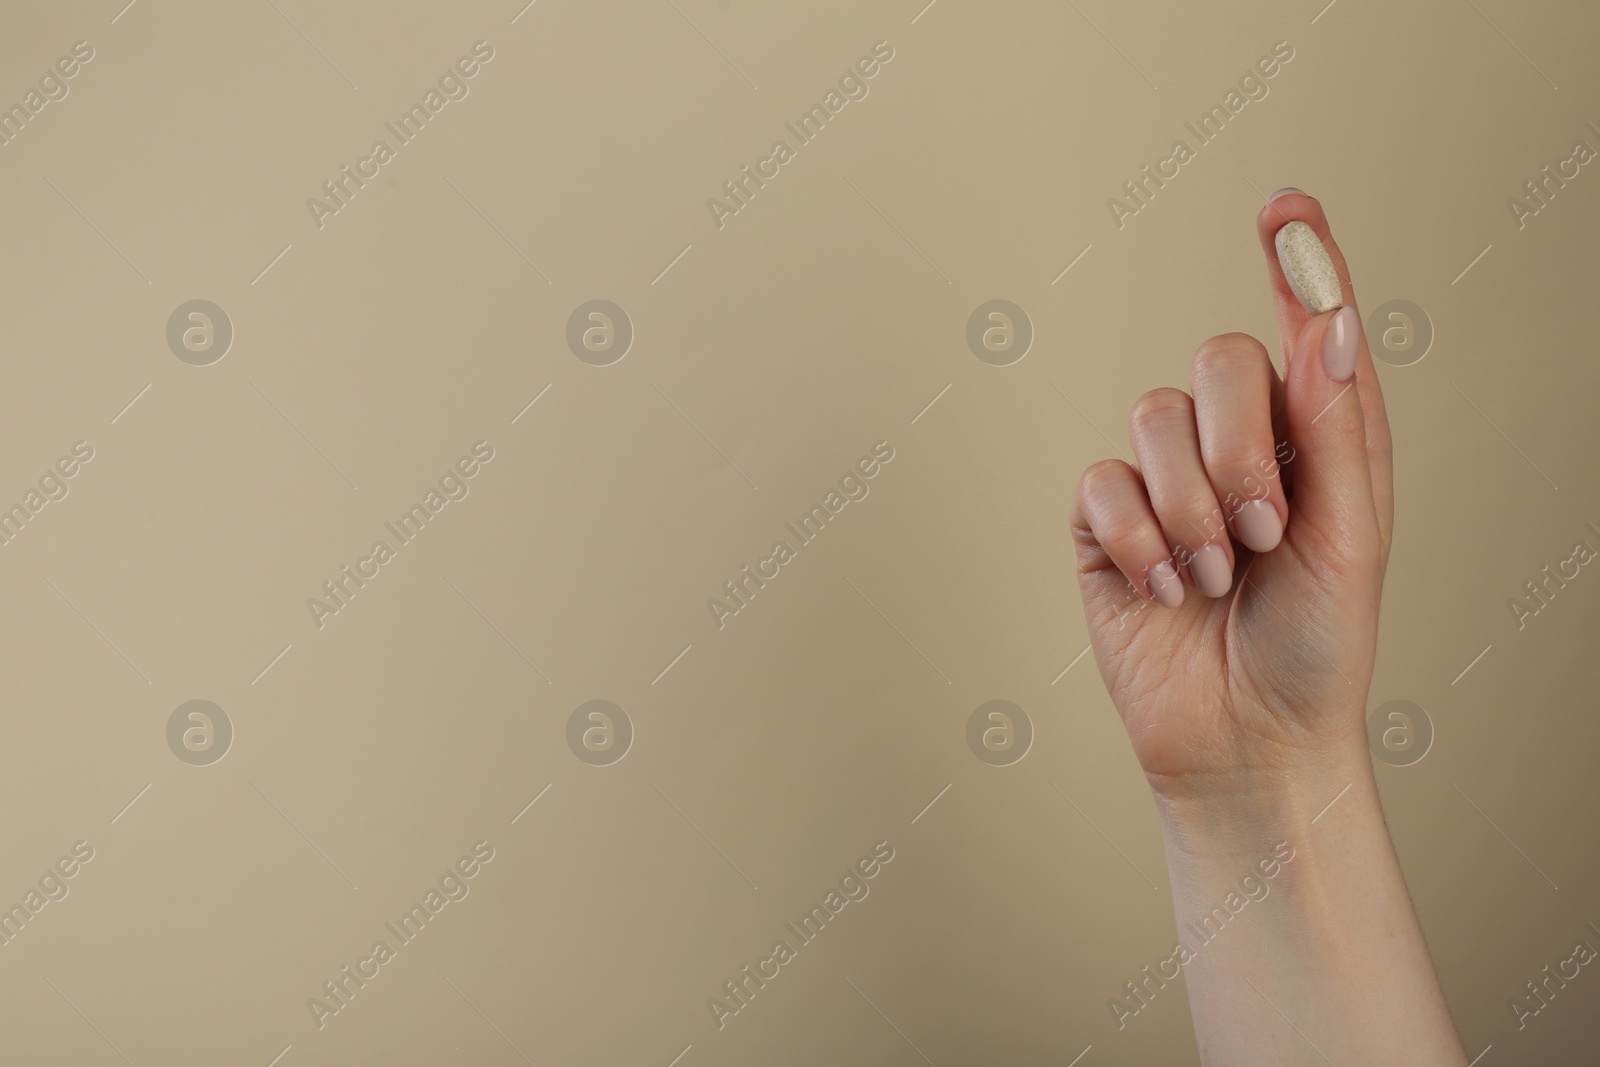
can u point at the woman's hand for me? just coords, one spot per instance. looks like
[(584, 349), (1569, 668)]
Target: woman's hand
[(1231, 580), (1245, 655)]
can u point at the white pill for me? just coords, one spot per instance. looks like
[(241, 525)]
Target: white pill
[(1306, 265)]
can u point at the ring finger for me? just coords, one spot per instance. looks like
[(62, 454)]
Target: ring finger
[(1167, 447)]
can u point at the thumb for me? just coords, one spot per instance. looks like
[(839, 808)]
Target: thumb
[(1332, 513)]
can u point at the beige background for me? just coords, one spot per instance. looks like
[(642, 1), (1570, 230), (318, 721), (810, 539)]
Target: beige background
[(373, 352)]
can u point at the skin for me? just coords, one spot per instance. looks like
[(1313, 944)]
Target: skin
[(1247, 710)]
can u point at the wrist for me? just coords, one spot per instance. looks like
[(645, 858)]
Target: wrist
[(1237, 810)]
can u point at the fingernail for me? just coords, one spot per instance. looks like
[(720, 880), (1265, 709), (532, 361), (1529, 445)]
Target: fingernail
[(1259, 526), (1306, 265), (1211, 572), (1165, 585), (1285, 191), (1340, 344)]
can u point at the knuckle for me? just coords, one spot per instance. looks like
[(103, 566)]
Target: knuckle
[(1160, 406), (1102, 476), (1121, 530), (1190, 507), (1232, 460), (1229, 352)]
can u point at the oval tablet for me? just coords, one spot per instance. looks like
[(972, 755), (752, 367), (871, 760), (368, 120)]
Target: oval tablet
[(1306, 265)]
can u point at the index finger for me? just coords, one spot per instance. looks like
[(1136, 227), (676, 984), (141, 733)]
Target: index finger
[(1293, 205)]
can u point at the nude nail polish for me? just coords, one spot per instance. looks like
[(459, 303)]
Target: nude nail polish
[(1210, 570), (1308, 268), (1165, 585), (1341, 344), (1285, 191), (1258, 525)]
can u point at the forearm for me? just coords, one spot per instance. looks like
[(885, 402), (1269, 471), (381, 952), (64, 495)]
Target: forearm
[(1317, 957)]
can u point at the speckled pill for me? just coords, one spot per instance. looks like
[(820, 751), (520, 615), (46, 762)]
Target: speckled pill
[(1306, 265)]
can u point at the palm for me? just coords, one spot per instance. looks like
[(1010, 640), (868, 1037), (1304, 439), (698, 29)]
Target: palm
[(1200, 686)]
